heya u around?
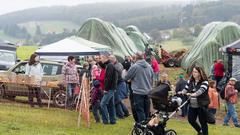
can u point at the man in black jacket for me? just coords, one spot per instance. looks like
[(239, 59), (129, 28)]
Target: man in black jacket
[(110, 85), (179, 87)]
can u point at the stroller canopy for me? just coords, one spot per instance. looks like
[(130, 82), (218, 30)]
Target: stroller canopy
[(160, 93)]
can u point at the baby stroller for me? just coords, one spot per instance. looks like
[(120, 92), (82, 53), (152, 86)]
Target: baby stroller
[(156, 124)]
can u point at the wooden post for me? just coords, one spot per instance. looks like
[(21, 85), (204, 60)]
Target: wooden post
[(84, 102)]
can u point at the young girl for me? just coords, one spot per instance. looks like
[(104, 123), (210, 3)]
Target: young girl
[(95, 72), (96, 96), (214, 98)]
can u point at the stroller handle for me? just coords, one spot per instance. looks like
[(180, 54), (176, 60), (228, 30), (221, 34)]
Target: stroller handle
[(183, 104)]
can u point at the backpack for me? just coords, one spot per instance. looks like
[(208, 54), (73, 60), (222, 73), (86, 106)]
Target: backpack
[(221, 87)]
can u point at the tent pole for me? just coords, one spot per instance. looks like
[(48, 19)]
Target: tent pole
[(230, 64)]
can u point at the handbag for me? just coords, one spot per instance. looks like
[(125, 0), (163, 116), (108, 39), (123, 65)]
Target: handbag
[(210, 118)]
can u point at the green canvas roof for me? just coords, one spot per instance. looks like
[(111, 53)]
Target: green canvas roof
[(137, 37), (106, 33), (206, 47)]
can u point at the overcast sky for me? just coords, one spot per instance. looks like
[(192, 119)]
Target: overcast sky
[(15, 5)]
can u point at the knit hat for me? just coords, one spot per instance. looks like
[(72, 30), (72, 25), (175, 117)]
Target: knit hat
[(233, 79), (181, 76)]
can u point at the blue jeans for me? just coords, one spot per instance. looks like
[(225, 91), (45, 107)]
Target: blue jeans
[(70, 92), (122, 90), (108, 108), (212, 110), (141, 106), (119, 95), (231, 113), (96, 110), (118, 107)]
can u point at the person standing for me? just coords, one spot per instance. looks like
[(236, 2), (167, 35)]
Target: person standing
[(110, 86), (214, 98), (218, 71), (179, 87), (121, 91), (197, 89), (155, 67), (34, 69), (231, 97), (141, 77), (212, 75), (101, 77), (71, 79), (127, 63), (96, 96)]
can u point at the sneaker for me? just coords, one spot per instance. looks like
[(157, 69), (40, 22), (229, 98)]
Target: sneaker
[(225, 124), (113, 123), (200, 133), (237, 125)]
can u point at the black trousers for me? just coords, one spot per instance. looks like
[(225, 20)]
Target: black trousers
[(134, 113), (218, 79), (193, 114), (34, 91)]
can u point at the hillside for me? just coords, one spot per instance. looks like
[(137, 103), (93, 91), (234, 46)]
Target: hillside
[(49, 26), (148, 16)]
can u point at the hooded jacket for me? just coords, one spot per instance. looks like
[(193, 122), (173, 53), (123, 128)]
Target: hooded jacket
[(141, 76)]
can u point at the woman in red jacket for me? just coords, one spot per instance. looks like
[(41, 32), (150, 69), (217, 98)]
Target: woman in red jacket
[(155, 68), (218, 71), (101, 77)]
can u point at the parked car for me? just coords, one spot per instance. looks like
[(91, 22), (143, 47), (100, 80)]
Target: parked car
[(50, 69), (8, 55)]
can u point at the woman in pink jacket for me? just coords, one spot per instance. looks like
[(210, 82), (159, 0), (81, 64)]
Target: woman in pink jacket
[(101, 77), (71, 79)]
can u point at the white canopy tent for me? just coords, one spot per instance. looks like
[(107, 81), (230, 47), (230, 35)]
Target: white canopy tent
[(91, 44), (67, 47)]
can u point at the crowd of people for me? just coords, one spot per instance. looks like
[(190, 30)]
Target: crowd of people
[(133, 79)]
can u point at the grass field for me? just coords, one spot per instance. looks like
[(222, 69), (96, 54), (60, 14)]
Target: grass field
[(24, 52), (173, 45), (19, 119)]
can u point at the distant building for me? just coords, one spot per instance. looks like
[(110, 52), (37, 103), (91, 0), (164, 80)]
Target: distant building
[(165, 36)]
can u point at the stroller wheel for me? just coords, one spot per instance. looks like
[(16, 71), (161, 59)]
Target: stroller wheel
[(149, 132), (170, 132), (137, 131)]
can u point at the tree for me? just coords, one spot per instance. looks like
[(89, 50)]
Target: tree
[(38, 30), (197, 29)]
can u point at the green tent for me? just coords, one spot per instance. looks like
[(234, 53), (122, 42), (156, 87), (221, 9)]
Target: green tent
[(137, 37), (206, 47), (108, 34)]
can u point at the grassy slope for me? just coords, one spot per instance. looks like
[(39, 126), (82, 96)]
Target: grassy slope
[(49, 26), (173, 45), (24, 52), (3, 36)]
